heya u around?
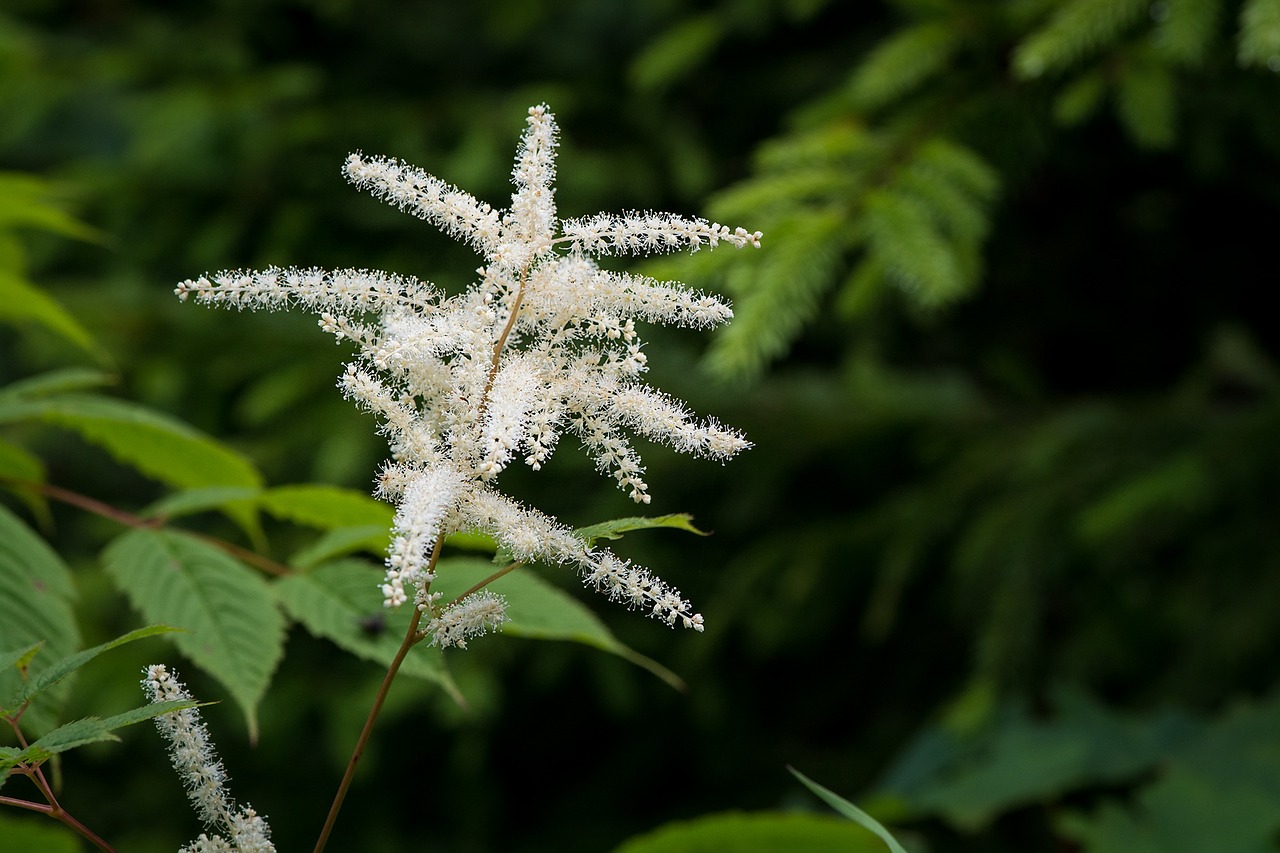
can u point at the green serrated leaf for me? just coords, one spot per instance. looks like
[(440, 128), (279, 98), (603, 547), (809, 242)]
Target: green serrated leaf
[(11, 757), (540, 611), (36, 594), (20, 657), (60, 669), (615, 528), (326, 507), (96, 729), (341, 602), (849, 810), (235, 631), (766, 832)]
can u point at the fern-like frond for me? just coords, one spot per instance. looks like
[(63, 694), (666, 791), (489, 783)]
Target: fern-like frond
[(1185, 29), (1078, 28), (1260, 34), (777, 297), (902, 62), (902, 234), (1146, 104)]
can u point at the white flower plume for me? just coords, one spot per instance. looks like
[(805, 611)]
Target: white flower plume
[(544, 343), (196, 761)]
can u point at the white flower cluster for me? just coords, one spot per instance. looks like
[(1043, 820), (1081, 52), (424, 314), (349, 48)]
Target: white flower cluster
[(197, 764), (543, 344), (475, 615)]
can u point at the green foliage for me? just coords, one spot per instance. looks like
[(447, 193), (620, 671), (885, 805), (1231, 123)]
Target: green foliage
[(340, 602), (1036, 450), (1260, 34), (89, 730), (156, 445), (1077, 29), (58, 670), (1196, 785), (233, 629), (755, 833), (36, 598)]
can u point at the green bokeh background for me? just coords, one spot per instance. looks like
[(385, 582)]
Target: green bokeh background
[(1004, 570)]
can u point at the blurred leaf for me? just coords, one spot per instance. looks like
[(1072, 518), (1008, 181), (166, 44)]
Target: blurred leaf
[(234, 630), (154, 444), (34, 835), (903, 62), (191, 501), (1217, 792), (24, 203), (676, 53), (17, 468), (1017, 761), (755, 833), (1146, 103), (326, 507), (19, 657), (23, 302), (340, 542), (56, 382), (1173, 491), (1076, 29), (1187, 30), (1260, 34), (36, 595), (540, 611)]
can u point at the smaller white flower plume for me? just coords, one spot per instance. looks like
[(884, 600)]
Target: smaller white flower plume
[(197, 764)]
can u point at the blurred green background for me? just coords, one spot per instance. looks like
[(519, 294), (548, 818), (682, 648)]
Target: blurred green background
[(1004, 564)]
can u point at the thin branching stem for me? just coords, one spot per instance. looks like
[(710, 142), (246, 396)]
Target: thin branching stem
[(509, 567), (411, 638), (128, 519)]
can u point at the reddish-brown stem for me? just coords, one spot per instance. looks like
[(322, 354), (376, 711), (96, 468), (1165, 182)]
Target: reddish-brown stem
[(411, 638), (509, 567), (127, 519), (502, 339), (56, 812)]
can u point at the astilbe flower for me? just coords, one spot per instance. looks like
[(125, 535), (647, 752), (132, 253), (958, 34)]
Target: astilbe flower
[(543, 344), (196, 762)]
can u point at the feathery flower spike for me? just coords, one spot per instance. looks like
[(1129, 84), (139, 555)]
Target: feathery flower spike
[(543, 344), (196, 762)]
